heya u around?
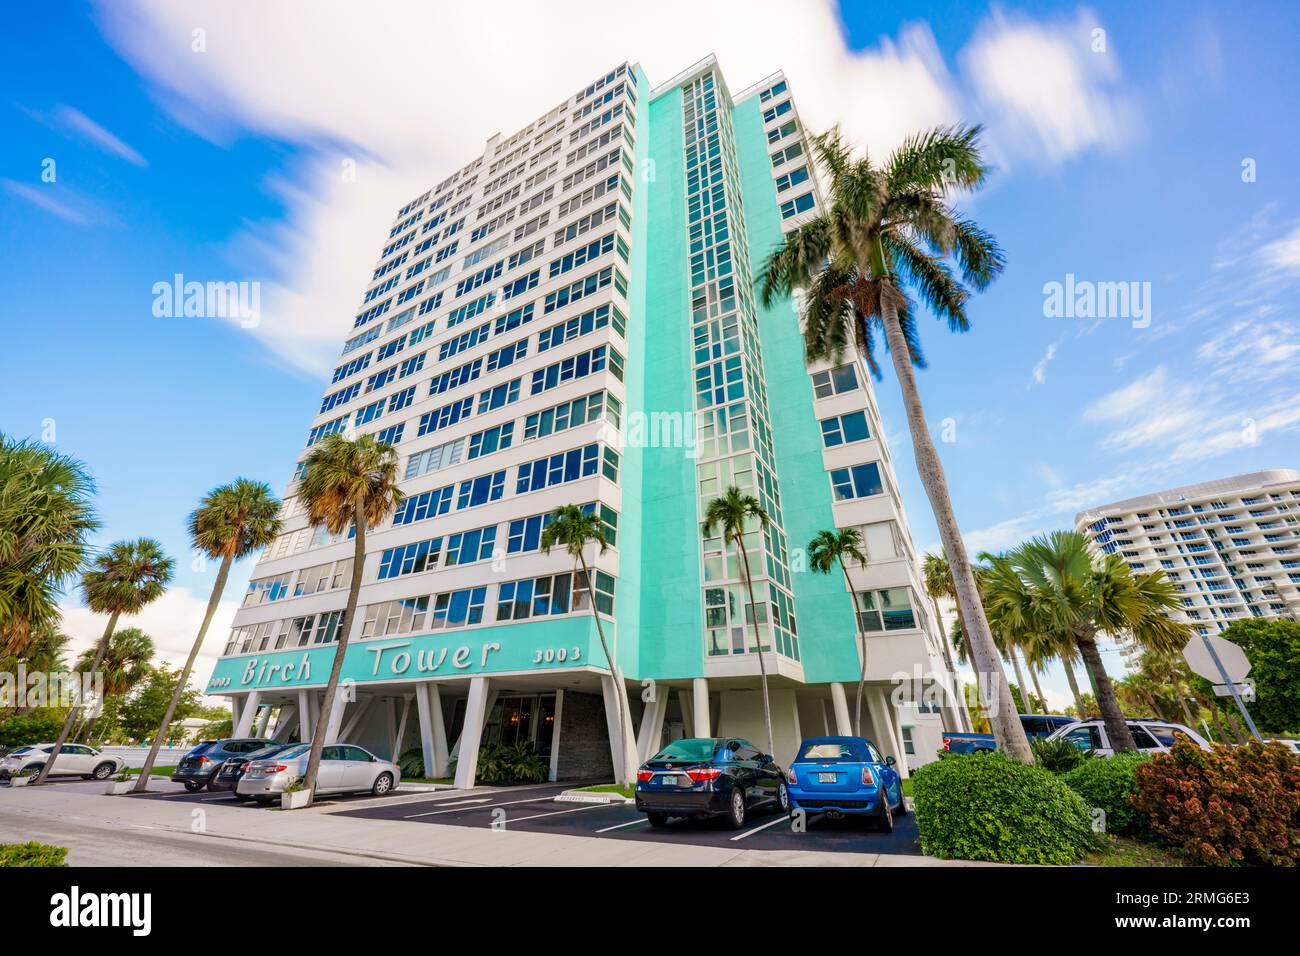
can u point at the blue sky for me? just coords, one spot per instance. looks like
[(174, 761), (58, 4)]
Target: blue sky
[(208, 140)]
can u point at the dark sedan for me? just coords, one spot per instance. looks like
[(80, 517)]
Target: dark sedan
[(710, 776), (198, 768), (232, 770)]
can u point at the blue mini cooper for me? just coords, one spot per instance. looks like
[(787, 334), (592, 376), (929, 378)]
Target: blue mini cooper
[(839, 776)]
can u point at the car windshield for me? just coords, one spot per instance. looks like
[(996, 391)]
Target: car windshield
[(690, 748), (20, 750), (837, 750)]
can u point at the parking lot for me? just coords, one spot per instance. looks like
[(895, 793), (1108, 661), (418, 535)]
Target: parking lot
[(535, 809)]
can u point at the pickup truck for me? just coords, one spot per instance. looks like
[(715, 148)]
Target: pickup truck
[(1036, 726)]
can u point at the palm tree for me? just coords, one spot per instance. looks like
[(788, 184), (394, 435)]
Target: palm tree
[(43, 654), (126, 663), (826, 551), (729, 514), (572, 529), (125, 579), (45, 515), (231, 522), (936, 578), (889, 229), (1083, 596), (347, 483)]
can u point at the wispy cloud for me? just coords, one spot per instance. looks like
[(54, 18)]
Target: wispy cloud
[(82, 125), (1039, 373), (40, 196)]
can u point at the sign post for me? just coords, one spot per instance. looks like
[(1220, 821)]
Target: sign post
[(1217, 659)]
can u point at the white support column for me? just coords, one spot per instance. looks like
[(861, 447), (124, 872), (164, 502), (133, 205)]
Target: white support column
[(652, 725), (306, 719), (236, 711), (555, 735), (684, 698), (287, 721), (441, 759), (626, 762), (354, 721), (264, 721), (883, 734), (487, 712), (840, 704), (247, 712), (475, 713), (401, 728), (700, 707), (896, 731), (336, 716)]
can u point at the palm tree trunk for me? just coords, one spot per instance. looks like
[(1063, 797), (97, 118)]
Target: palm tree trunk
[(345, 629), (1007, 730), (758, 640), (214, 599), (620, 691), (1038, 689), (1182, 699), (75, 710), (1074, 687), (861, 636), (1116, 727), (963, 723), (1235, 724), (1020, 679)]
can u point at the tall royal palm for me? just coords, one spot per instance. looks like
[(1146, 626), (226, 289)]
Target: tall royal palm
[(573, 529), (231, 522), (1086, 596), (890, 229), (126, 663), (347, 483), (731, 515), (124, 579), (936, 578), (827, 551), (45, 515)]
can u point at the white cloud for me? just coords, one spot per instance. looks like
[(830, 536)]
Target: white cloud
[(1049, 94), (172, 621), (1283, 254), (40, 197), (1040, 367), (87, 128), (292, 71)]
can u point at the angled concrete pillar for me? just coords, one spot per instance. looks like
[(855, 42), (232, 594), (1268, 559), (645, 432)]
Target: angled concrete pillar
[(700, 707), (896, 731), (475, 714), (433, 732), (400, 734), (358, 714), (306, 717), (652, 725), (840, 705), (264, 721), (247, 712), (685, 699), (286, 723), (336, 716), (555, 735)]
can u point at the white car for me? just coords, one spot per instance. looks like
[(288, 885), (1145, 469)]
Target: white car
[(1151, 736), (1290, 743), (74, 760), (344, 768)]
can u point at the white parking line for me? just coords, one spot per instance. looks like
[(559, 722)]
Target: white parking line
[(554, 813), (461, 803), (771, 823), (432, 813), (619, 826)]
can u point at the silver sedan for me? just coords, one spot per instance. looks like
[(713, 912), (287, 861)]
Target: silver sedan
[(344, 768)]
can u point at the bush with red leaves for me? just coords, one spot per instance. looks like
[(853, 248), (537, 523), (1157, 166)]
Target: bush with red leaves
[(1234, 806)]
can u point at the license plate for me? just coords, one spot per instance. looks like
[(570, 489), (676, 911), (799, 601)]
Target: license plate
[(826, 777), (669, 780)]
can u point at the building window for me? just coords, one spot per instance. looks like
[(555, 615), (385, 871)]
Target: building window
[(887, 610), (859, 481), (843, 429), (835, 381)]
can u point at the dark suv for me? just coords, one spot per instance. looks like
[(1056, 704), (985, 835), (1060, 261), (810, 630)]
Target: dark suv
[(198, 767)]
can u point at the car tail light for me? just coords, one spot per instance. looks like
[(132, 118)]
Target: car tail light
[(277, 768), (644, 775), (868, 778), (791, 778), (701, 774), (204, 760)]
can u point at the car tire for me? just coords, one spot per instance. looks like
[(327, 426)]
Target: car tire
[(783, 799), (241, 797), (657, 819), (103, 771), (211, 784), (192, 787), (383, 784), (886, 819), (735, 813)]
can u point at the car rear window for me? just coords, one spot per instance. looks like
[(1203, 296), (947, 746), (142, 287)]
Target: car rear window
[(266, 752), (296, 751), (202, 748), (20, 750), (831, 751), (690, 748)]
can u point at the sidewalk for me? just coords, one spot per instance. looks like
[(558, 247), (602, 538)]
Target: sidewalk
[(395, 841)]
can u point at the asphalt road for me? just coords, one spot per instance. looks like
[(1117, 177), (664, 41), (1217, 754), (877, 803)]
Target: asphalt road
[(535, 809)]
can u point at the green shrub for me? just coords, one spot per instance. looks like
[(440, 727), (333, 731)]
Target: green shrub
[(1059, 756), (986, 807), (35, 727), (411, 763), (32, 854), (1108, 783), (511, 763), (1233, 806)]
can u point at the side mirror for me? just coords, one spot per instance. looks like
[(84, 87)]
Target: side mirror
[(766, 759), (890, 761)]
